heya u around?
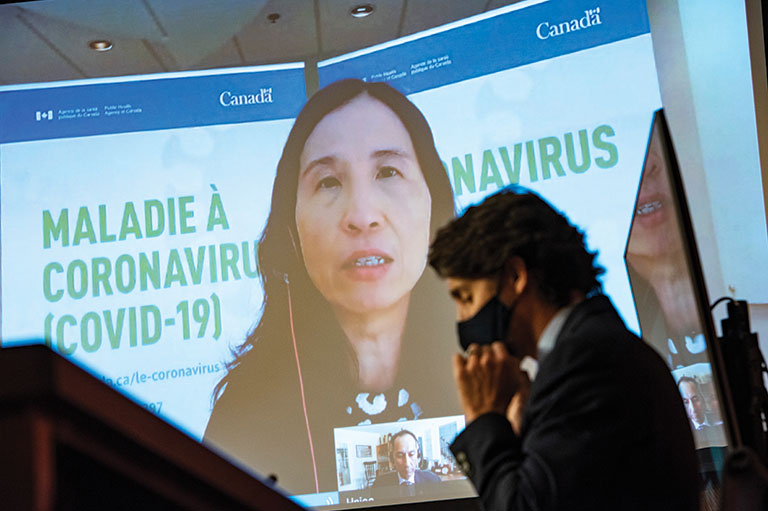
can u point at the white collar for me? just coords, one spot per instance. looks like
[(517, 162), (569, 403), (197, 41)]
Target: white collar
[(552, 331), (400, 480), (700, 425), (546, 341)]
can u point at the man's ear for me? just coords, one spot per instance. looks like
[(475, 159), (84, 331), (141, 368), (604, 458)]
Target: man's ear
[(515, 279)]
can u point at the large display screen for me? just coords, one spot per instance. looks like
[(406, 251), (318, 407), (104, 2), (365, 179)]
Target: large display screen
[(133, 238), (672, 301), (130, 215), (555, 96)]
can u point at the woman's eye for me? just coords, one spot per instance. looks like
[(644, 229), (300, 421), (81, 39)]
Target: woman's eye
[(385, 172), (328, 182)]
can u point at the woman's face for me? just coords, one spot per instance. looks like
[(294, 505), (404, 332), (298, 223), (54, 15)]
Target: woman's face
[(654, 232), (362, 208)]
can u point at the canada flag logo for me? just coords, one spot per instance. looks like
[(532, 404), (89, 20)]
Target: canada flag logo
[(39, 116)]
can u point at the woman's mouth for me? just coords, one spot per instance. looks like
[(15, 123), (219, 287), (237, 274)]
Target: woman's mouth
[(649, 207), (367, 266), (369, 261), (652, 212)]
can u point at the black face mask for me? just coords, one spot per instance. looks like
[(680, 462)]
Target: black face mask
[(489, 325)]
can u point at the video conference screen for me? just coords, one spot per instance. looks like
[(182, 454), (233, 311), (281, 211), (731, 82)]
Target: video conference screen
[(281, 311), (672, 302)]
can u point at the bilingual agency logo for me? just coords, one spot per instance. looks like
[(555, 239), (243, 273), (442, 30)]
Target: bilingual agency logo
[(548, 29), (229, 98), (44, 115)]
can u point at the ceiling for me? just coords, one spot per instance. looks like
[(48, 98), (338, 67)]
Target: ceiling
[(47, 40)]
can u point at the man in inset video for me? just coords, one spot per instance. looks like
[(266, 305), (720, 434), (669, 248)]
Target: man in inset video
[(705, 433), (405, 455), (602, 426), (693, 402)]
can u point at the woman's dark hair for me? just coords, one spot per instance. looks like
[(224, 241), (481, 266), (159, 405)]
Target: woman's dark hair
[(517, 222), (279, 254)]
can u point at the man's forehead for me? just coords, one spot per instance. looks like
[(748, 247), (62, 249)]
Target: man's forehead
[(404, 442), (465, 285), (688, 389)]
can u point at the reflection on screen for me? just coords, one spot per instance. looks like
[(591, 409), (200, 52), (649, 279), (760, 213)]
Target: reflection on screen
[(670, 300)]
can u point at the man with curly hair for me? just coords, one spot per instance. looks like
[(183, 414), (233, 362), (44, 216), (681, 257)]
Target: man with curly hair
[(602, 425)]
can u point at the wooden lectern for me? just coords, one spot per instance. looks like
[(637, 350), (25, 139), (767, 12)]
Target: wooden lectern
[(70, 442)]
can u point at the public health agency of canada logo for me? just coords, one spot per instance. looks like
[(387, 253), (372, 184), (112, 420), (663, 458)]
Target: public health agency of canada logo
[(44, 116)]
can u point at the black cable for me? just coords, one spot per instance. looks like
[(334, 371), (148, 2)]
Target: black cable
[(719, 301)]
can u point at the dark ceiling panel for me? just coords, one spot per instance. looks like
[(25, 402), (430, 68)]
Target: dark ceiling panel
[(292, 36), (198, 28), (340, 32), (25, 57), (127, 56), (423, 14), (227, 56), (126, 18), (45, 40)]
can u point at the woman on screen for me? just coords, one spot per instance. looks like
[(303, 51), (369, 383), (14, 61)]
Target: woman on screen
[(353, 329), (658, 269), (662, 285)]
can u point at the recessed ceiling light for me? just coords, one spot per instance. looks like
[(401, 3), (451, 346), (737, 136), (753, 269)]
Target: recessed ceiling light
[(100, 45), (361, 11)]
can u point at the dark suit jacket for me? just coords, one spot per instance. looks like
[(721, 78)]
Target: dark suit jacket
[(386, 487), (420, 477), (604, 428)]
